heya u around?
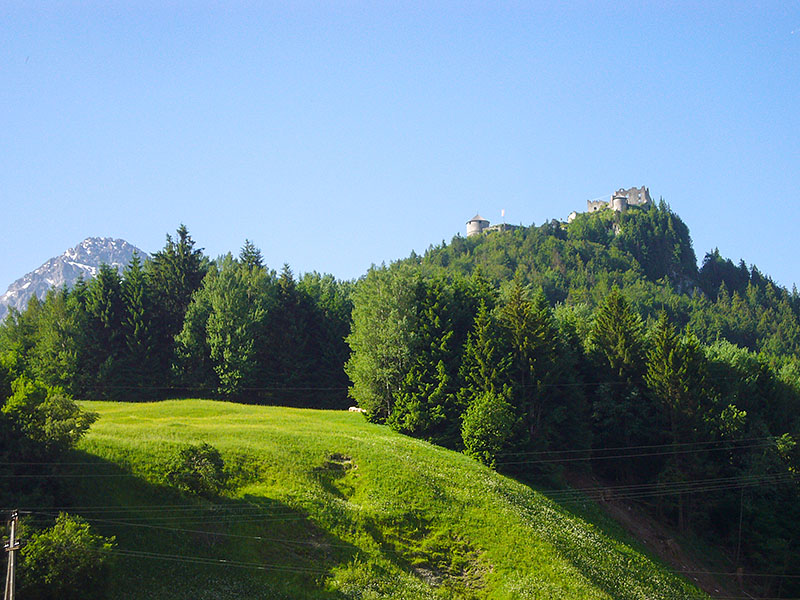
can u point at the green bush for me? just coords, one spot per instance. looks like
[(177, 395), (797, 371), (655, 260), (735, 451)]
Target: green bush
[(198, 469), (65, 561), (486, 427)]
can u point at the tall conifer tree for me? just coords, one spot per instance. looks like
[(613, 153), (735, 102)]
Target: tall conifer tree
[(175, 273), (106, 339), (141, 363)]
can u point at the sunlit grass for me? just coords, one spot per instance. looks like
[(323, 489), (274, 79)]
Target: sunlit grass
[(374, 514)]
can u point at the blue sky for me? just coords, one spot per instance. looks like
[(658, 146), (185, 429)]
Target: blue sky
[(340, 134)]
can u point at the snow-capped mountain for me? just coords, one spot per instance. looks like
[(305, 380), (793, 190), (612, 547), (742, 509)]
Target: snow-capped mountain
[(82, 260)]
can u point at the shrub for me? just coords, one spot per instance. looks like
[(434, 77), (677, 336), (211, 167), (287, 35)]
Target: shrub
[(66, 561), (45, 415), (198, 469), (486, 427)]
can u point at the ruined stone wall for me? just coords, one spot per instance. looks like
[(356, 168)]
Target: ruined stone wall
[(594, 205), (619, 201), (636, 196), (502, 227)]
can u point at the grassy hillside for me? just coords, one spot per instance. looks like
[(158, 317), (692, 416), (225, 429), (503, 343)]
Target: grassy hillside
[(324, 505)]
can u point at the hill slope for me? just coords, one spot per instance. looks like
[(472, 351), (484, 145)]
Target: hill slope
[(325, 505)]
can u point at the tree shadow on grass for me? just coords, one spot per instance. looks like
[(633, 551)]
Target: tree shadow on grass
[(170, 544)]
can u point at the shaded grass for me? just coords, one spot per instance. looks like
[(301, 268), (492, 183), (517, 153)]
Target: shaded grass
[(370, 513)]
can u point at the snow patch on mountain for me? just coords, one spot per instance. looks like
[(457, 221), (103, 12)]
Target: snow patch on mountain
[(83, 260)]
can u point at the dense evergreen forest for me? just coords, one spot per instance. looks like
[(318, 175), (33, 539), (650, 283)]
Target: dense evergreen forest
[(597, 345), (180, 324)]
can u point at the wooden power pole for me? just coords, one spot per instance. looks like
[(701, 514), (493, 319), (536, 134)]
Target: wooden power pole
[(11, 547)]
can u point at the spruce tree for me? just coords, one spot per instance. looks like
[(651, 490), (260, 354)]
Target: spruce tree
[(622, 412), (676, 376), (106, 340), (486, 360), (617, 336), (426, 404), (287, 355), (141, 364), (250, 256), (175, 273), (531, 334), (61, 342)]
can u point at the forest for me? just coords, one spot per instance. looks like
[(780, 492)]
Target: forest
[(596, 346)]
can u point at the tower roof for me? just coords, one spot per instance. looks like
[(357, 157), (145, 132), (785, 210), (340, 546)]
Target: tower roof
[(477, 218)]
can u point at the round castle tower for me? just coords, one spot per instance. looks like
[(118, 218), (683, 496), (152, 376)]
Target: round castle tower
[(619, 202), (476, 225)]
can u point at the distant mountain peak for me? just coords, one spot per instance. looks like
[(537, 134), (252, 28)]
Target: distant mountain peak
[(82, 260)]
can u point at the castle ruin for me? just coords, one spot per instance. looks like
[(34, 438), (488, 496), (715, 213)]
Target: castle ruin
[(622, 199), (477, 225), (619, 201)]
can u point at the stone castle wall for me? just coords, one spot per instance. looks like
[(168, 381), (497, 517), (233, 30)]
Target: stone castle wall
[(621, 200), (636, 196), (594, 205)]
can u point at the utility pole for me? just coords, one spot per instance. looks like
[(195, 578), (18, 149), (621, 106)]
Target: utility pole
[(11, 547)]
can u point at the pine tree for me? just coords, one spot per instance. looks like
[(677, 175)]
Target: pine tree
[(676, 376), (105, 338), (175, 273), (531, 334), (141, 364), (622, 412), (250, 256), (486, 361)]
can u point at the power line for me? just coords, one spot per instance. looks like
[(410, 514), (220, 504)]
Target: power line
[(646, 446), (214, 389), (66, 475), (737, 574), (753, 480), (200, 531), (631, 491), (266, 518), (662, 489), (196, 506), (708, 481), (210, 561), (594, 457)]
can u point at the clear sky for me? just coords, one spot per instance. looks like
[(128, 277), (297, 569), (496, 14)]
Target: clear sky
[(340, 134)]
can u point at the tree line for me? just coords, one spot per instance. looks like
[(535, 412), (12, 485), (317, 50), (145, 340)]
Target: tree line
[(180, 324)]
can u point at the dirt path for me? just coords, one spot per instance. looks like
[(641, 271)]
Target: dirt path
[(661, 541)]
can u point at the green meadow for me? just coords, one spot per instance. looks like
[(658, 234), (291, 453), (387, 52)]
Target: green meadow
[(322, 504)]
